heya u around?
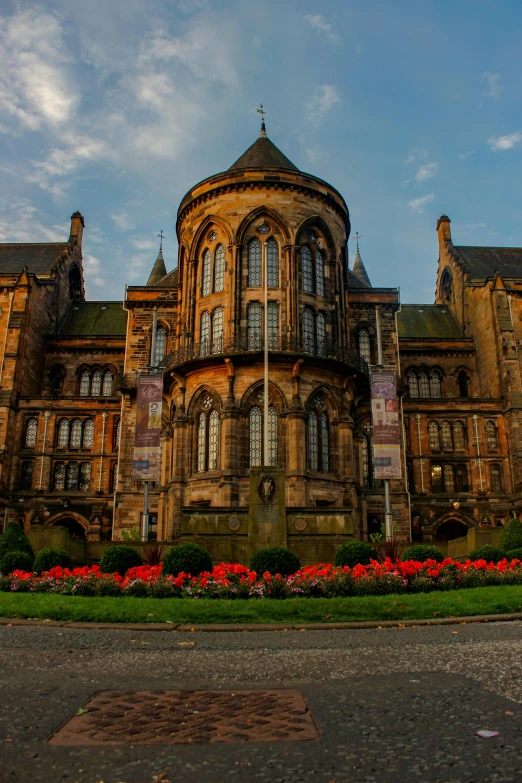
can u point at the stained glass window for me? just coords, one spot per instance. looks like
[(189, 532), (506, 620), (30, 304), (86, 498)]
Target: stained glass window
[(26, 475), (85, 477), (96, 383), (436, 478), (217, 330), (73, 473), (424, 385), (273, 325), (496, 479), (202, 442), (76, 434), (219, 269), (272, 436), (459, 438), (365, 346), (213, 440), (307, 270), (88, 433), (319, 273), (254, 328), (321, 333), (205, 332), (449, 478), (254, 263), (313, 441), (435, 384), (63, 434), (413, 383), (31, 432), (325, 444), (85, 384), (491, 435), (59, 476), (256, 436), (107, 383), (159, 345), (272, 262), (309, 330), (445, 433), (206, 269), (433, 436)]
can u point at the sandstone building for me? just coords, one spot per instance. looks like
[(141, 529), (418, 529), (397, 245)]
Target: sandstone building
[(69, 370)]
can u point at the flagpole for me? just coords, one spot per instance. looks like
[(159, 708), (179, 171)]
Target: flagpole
[(265, 394)]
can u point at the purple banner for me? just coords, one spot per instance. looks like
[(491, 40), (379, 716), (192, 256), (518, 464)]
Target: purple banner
[(146, 463), (386, 434)]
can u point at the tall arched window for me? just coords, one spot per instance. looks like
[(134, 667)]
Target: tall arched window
[(491, 436), (26, 475), (219, 269), (446, 439), (73, 475), (204, 335), (435, 384), (313, 441), (206, 273), (324, 451), (63, 434), (319, 273), (461, 478), (88, 433), (365, 348), (217, 330), (459, 437), (449, 478), (272, 263), (424, 385), (309, 330), (85, 477), (31, 431), (254, 263), (213, 440), (96, 383), (107, 383), (433, 436), (272, 436), (85, 384), (255, 429), (307, 270), (463, 384), (76, 434), (159, 345), (436, 478), (202, 442), (273, 325), (208, 440), (254, 329), (320, 325), (495, 478), (117, 435), (413, 384), (59, 476)]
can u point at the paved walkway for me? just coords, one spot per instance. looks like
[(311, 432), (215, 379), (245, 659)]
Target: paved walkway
[(397, 704)]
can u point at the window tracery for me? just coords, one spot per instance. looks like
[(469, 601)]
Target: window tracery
[(219, 269), (272, 263), (31, 432), (307, 270), (206, 272), (160, 345), (365, 346), (254, 263)]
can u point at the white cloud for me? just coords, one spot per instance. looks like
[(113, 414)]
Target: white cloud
[(418, 204), (319, 23), (426, 171), (417, 155), (493, 86), (313, 155), (323, 101), (92, 267), (506, 142), (464, 155), (144, 244), (21, 221), (123, 220)]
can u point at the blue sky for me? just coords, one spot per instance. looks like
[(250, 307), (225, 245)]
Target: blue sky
[(409, 108)]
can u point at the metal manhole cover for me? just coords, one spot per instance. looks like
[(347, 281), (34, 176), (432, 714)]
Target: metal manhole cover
[(175, 717)]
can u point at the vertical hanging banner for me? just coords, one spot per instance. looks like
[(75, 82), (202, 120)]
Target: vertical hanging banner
[(385, 414), (146, 465)]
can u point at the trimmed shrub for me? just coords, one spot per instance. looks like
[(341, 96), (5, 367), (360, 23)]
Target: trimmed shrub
[(511, 536), (137, 589), (491, 554), (162, 589), (353, 553), (514, 554), (275, 560), (15, 561), (422, 552), (108, 587), (13, 539), (84, 587), (49, 558), (188, 559), (119, 559)]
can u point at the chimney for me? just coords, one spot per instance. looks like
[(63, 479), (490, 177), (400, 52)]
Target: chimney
[(77, 226), (443, 229)]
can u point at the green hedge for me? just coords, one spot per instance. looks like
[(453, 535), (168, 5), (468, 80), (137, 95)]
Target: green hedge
[(488, 553), (188, 559), (354, 553), (422, 552), (13, 539), (275, 560), (511, 536), (119, 559), (50, 557), (15, 561)]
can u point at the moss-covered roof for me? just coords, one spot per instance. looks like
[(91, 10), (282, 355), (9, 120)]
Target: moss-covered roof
[(38, 257), (95, 319), (483, 262), (427, 321)]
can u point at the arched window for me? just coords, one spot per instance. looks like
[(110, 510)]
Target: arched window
[(73, 475), (206, 273), (273, 325), (413, 384), (309, 330), (219, 269), (56, 377), (75, 283), (433, 436), (324, 433), (424, 385), (159, 345), (107, 383), (446, 286), (459, 438), (31, 431), (202, 442), (76, 434), (117, 434), (254, 329), (463, 384), (204, 335), (255, 428), (435, 384), (272, 263), (254, 263), (320, 325), (436, 478), (319, 273), (85, 384), (446, 439), (491, 436), (63, 434), (96, 384), (272, 436), (88, 433), (85, 477), (217, 330), (26, 475), (213, 440), (313, 441), (307, 270), (59, 477), (495, 478), (449, 478), (461, 477), (365, 349)]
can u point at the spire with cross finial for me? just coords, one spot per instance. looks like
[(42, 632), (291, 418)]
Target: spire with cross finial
[(159, 270), (358, 266), (262, 112), (161, 236)]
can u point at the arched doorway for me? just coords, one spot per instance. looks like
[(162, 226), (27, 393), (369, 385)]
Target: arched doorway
[(73, 526), (450, 529)]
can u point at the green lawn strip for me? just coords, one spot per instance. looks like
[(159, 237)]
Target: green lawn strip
[(454, 603)]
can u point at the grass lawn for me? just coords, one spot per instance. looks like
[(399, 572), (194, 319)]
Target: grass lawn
[(454, 603)]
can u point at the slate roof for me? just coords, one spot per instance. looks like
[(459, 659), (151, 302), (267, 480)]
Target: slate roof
[(427, 321), (356, 282), (483, 262), (263, 154), (169, 281), (159, 270), (38, 257), (95, 319)]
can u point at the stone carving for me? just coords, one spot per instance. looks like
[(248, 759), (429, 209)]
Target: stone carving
[(233, 523), (300, 524), (266, 489)]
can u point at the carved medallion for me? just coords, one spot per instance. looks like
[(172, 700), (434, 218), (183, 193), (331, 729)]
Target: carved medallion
[(300, 524), (234, 523)]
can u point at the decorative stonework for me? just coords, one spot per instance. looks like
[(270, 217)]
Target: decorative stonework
[(300, 524), (234, 523)]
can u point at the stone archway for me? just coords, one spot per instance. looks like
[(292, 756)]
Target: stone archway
[(75, 524), (451, 528)]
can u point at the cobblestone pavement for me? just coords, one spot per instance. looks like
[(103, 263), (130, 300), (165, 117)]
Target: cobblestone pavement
[(400, 704)]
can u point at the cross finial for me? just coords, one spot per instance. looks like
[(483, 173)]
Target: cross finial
[(357, 236), (262, 112), (161, 235)]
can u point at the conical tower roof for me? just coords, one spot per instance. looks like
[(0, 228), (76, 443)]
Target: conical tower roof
[(159, 270), (359, 270), (263, 154)]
